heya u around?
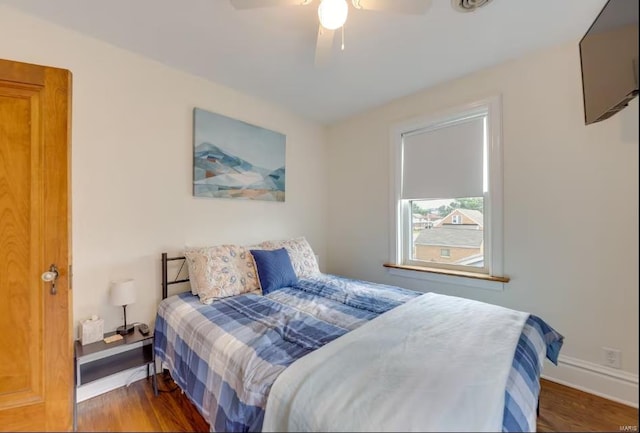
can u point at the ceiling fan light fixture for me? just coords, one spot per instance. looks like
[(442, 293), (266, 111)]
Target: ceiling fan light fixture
[(333, 13)]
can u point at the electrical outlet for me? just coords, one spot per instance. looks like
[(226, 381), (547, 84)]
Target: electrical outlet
[(611, 357)]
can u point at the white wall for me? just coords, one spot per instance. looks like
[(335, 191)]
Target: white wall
[(132, 165), (570, 216)]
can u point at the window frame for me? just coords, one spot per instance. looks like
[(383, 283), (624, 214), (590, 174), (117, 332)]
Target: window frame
[(493, 197)]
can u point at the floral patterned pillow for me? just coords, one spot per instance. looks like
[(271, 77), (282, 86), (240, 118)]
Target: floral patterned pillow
[(221, 271), (302, 257)]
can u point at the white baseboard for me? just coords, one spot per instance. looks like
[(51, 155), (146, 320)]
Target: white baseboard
[(610, 383), (109, 383)]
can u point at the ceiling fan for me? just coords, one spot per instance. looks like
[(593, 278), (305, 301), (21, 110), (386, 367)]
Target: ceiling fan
[(332, 15)]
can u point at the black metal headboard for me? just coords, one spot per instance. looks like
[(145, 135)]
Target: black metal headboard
[(165, 279)]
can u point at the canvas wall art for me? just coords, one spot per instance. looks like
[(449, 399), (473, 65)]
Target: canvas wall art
[(234, 159)]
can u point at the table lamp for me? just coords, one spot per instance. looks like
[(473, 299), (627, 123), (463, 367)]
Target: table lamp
[(123, 292)]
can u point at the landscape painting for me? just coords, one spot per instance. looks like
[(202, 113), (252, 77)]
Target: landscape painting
[(234, 159)]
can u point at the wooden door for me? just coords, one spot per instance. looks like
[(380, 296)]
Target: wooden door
[(36, 350)]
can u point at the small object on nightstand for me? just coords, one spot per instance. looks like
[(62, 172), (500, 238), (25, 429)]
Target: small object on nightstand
[(91, 330), (144, 329), (111, 339), (123, 292)]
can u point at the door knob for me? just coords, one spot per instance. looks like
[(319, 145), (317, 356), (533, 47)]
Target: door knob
[(51, 276)]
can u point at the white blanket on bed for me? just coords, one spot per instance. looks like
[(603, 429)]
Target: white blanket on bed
[(436, 363)]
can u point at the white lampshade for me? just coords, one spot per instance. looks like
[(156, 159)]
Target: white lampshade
[(123, 292), (333, 13)]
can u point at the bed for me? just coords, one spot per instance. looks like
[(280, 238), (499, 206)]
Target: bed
[(310, 356)]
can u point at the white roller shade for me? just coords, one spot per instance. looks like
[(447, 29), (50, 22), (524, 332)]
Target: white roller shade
[(446, 162)]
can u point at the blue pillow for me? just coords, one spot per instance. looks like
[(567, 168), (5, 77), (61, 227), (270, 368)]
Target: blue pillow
[(274, 269)]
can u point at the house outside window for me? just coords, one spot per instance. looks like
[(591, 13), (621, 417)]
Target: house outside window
[(447, 170), (457, 238)]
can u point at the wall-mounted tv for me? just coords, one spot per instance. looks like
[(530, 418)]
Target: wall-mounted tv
[(609, 59)]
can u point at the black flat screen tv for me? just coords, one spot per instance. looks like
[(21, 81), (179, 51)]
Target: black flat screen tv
[(609, 60)]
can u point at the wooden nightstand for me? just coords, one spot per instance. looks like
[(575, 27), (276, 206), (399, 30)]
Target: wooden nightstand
[(98, 360)]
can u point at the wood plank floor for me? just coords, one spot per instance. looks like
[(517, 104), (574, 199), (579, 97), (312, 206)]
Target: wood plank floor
[(562, 409)]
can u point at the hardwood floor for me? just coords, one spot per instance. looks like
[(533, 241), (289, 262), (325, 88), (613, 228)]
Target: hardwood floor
[(567, 409), (136, 409)]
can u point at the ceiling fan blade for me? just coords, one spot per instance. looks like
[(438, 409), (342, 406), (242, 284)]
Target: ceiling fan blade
[(251, 4), (416, 7), (324, 44)]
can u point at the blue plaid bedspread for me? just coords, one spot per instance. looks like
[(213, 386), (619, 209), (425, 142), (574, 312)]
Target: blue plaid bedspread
[(225, 356)]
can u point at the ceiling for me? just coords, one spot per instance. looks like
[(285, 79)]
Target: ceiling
[(269, 52)]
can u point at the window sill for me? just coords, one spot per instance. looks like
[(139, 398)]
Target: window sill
[(447, 276)]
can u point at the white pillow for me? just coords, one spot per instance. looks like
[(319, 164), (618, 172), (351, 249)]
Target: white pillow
[(221, 271), (302, 256)]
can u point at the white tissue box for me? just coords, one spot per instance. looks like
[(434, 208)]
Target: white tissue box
[(91, 330)]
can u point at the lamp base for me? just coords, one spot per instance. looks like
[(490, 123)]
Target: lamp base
[(124, 330)]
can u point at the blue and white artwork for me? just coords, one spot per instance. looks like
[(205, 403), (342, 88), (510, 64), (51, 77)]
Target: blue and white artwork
[(234, 159)]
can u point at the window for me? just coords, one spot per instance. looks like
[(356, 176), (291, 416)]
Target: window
[(447, 171)]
